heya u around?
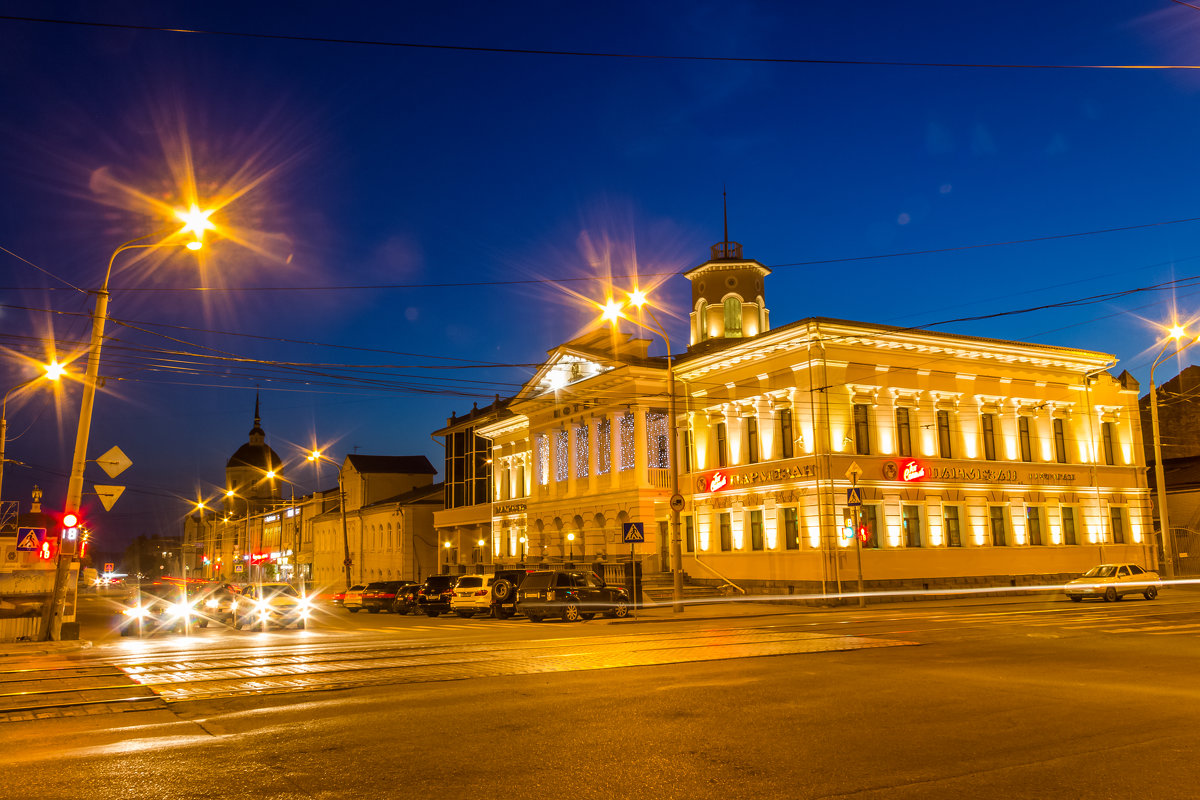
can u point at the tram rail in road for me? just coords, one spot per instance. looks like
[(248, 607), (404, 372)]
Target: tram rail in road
[(123, 684)]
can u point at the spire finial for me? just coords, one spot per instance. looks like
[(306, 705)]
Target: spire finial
[(257, 419), (725, 212)]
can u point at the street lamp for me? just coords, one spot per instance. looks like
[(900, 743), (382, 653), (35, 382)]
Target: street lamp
[(570, 548), (54, 371), (1164, 526), (612, 312), (446, 547), (195, 222)]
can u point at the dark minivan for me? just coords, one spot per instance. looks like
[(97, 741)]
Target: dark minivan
[(574, 596)]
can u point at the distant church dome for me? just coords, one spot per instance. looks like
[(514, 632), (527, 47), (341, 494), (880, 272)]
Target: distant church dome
[(246, 470)]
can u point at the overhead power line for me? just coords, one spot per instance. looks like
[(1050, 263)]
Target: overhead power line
[(589, 53)]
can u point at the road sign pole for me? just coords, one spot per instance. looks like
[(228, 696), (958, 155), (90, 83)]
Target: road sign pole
[(862, 598)]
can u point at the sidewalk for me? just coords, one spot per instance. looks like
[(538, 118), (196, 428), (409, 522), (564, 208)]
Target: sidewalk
[(773, 605), (24, 649)]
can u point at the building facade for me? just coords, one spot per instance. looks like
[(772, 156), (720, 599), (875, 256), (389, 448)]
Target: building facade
[(975, 460)]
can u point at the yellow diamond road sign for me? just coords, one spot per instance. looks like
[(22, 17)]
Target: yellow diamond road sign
[(114, 462)]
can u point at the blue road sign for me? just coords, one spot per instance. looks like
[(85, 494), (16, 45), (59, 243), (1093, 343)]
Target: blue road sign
[(854, 496), (30, 538), (632, 532)]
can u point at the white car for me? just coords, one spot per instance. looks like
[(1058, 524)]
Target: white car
[(1111, 582), (472, 595)]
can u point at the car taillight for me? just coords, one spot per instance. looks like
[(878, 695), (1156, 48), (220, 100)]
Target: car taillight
[(481, 593), (420, 591), (386, 596)]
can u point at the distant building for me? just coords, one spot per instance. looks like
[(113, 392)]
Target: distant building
[(386, 531)]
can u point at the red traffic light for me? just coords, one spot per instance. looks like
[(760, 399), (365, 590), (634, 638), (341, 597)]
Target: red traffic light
[(70, 520)]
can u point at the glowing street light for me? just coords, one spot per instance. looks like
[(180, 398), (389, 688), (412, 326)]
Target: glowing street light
[(1175, 333), (53, 371), (612, 312), (52, 622)]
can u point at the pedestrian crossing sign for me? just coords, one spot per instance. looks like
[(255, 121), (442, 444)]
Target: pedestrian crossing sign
[(632, 532), (854, 496), (30, 538)]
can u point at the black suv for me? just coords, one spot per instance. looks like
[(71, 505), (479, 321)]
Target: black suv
[(504, 592), (406, 598), (381, 595), (574, 596), (434, 595)]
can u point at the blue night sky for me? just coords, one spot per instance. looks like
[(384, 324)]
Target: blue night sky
[(466, 187)]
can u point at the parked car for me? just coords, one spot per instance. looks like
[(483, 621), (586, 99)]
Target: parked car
[(216, 602), (1111, 582), (433, 597), (352, 601), (381, 595), (504, 592), (472, 594), (155, 608), (339, 598), (265, 604), (406, 599), (574, 596)]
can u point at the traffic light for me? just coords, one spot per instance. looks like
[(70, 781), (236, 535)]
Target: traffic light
[(48, 549), (70, 533)]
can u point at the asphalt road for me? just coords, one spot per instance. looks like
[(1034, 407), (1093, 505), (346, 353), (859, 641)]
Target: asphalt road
[(1028, 698)]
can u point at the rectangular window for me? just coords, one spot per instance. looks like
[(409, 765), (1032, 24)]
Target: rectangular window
[(581, 451), (1118, 524), (1106, 436), (945, 448), (1033, 524), (1023, 436), (689, 535), (1068, 525), (911, 520), (726, 532), (999, 528), (1060, 442), (542, 453), (862, 430), (953, 527), (756, 530), (658, 440), (868, 519), (626, 432), (988, 428), (791, 529), (561, 464), (903, 433), (722, 446), (785, 433), (687, 451), (752, 440), (603, 446)]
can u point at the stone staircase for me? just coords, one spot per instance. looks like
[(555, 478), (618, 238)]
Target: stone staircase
[(658, 589)]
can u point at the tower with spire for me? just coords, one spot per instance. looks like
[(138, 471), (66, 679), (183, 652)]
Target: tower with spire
[(727, 293), (246, 472)]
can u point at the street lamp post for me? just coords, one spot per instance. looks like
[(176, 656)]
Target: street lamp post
[(570, 549), (612, 311), (52, 620), (53, 372), (1164, 525)]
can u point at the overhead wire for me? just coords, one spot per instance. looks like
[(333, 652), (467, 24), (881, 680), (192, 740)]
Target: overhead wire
[(583, 53)]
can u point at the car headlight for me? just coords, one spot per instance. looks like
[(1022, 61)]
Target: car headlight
[(262, 607), (137, 612), (304, 606), (179, 610), (211, 603)]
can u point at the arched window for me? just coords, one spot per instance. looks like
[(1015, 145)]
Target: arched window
[(733, 317), (702, 321)]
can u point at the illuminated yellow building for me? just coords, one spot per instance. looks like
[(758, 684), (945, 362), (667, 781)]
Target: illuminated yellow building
[(977, 461)]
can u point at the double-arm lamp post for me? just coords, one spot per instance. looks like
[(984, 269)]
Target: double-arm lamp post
[(316, 456), (612, 313), (195, 222), (1175, 334)]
